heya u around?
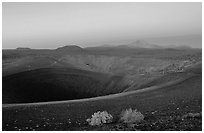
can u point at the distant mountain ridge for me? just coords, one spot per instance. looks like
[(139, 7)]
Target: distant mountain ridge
[(139, 44), (70, 48), (179, 47), (143, 44), (21, 48)]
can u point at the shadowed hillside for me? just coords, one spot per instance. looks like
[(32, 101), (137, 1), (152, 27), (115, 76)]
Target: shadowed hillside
[(55, 84)]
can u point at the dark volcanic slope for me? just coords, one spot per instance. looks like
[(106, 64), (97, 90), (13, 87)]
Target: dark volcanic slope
[(54, 84), (161, 106)]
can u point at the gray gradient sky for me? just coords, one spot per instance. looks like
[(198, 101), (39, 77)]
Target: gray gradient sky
[(50, 25)]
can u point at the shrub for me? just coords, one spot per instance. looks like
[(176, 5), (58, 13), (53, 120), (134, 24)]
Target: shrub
[(191, 115), (131, 116), (100, 118)]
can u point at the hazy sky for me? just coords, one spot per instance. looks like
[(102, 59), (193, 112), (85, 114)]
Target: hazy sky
[(50, 25)]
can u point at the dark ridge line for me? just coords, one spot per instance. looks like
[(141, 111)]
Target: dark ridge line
[(101, 97)]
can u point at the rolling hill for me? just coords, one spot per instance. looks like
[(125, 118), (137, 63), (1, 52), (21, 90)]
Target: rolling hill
[(70, 48)]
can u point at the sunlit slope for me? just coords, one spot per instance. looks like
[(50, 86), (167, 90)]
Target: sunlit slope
[(97, 63), (30, 63), (195, 69), (115, 64)]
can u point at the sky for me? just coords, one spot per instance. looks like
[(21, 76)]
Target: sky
[(51, 25)]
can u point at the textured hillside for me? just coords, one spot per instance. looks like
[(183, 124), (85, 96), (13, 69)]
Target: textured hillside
[(137, 70)]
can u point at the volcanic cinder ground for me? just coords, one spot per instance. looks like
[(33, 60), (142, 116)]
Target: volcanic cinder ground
[(59, 89)]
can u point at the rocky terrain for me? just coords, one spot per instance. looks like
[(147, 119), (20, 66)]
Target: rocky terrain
[(45, 89)]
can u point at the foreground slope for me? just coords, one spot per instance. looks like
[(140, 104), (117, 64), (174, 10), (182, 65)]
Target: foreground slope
[(161, 105)]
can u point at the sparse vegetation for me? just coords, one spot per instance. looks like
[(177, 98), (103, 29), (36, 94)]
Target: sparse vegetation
[(100, 118), (131, 116)]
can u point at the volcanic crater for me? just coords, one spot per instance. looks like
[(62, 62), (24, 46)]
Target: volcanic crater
[(57, 76), (56, 84)]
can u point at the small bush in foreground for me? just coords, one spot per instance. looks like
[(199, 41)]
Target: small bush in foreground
[(131, 116), (191, 115), (100, 118)]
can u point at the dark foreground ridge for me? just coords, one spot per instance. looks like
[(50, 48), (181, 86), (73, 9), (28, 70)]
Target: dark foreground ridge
[(56, 84)]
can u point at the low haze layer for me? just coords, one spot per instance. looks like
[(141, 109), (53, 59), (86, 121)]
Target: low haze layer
[(50, 25)]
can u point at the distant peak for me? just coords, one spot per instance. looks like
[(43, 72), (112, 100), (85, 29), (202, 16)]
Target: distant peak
[(70, 48), (143, 44)]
